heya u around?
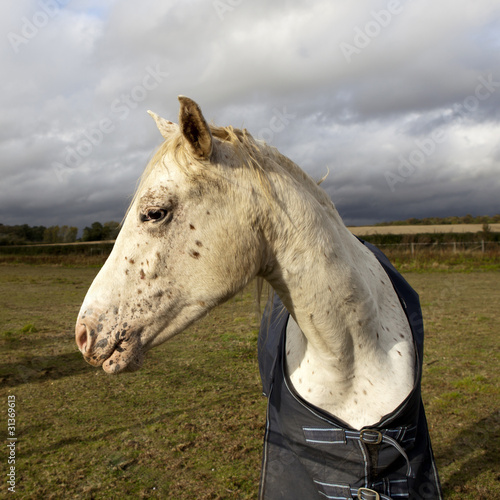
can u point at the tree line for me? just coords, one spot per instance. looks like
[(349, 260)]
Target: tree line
[(26, 235), (30, 235), (432, 221)]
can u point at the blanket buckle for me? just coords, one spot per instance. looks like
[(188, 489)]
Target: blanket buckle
[(370, 436), (367, 494)]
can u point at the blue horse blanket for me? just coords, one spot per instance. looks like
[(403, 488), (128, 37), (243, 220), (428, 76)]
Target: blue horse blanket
[(310, 454)]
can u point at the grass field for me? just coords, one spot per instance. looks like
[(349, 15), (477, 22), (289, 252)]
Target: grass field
[(189, 425)]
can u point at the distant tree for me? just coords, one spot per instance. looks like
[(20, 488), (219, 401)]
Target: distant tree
[(93, 233), (51, 234), (24, 232), (36, 234), (486, 233), (110, 230), (67, 234)]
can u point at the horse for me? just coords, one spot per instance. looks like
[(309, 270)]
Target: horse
[(214, 209)]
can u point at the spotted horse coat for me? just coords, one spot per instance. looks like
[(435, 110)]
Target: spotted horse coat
[(310, 454)]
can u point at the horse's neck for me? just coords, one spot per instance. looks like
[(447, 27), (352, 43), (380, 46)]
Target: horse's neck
[(352, 351)]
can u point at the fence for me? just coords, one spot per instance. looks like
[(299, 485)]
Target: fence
[(98, 248), (453, 246), (78, 248)]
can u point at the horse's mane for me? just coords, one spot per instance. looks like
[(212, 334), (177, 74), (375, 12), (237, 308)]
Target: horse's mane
[(249, 150)]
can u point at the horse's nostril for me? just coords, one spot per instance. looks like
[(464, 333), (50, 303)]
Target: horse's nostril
[(81, 337)]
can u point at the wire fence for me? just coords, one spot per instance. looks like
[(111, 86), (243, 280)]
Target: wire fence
[(103, 248), (481, 246)]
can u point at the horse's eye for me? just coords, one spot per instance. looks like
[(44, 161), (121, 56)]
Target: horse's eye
[(153, 215)]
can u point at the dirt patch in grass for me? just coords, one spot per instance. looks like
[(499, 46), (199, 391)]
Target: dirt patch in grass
[(190, 423)]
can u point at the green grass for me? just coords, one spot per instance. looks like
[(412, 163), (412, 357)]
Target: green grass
[(190, 423), (442, 261), (461, 379)]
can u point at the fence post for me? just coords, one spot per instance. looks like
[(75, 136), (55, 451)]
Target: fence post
[(412, 248), (482, 246), (454, 247)]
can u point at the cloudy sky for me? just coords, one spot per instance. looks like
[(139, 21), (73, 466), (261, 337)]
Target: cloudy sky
[(400, 100)]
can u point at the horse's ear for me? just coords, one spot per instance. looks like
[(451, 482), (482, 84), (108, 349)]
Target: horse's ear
[(195, 129), (165, 127)]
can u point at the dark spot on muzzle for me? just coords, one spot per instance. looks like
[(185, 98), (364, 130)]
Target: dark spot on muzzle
[(101, 344), (120, 335)]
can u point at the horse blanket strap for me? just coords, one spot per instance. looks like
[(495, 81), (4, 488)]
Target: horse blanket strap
[(310, 454), (366, 436)]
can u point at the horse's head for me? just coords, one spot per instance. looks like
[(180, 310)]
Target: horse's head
[(191, 239)]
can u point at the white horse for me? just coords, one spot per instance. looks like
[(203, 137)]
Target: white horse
[(216, 208)]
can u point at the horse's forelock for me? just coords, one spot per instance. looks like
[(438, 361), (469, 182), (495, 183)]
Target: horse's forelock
[(251, 154)]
